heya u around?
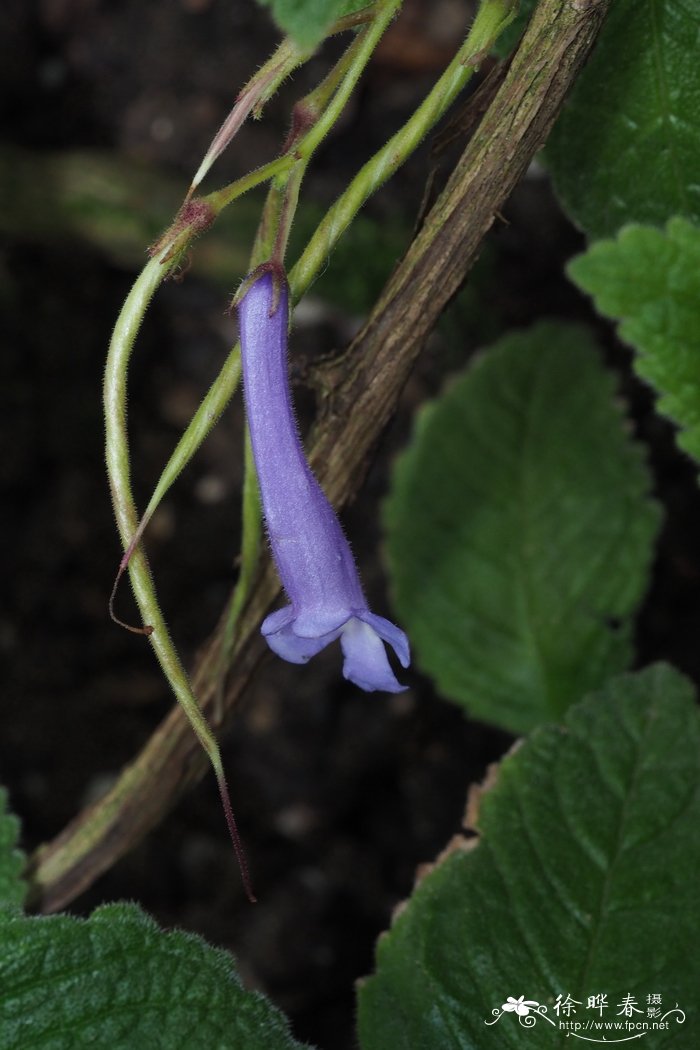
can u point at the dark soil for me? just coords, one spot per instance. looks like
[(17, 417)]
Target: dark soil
[(339, 795)]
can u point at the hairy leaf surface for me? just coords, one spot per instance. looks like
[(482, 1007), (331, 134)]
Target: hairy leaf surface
[(12, 860), (583, 882), (626, 147), (520, 530), (649, 281), (115, 981)]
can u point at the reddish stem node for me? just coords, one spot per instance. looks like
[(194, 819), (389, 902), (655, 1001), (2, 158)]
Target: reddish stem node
[(279, 283), (195, 216), (304, 117)]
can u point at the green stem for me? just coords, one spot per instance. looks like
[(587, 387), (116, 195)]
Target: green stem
[(204, 419), (219, 199), (361, 50), (287, 173), (259, 89), (117, 452), (317, 99), (251, 543), (517, 121), (492, 17), (290, 199), (366, 44), (251, 512), (262, 86)]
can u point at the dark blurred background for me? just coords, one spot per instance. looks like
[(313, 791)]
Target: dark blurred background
[(108, 108)]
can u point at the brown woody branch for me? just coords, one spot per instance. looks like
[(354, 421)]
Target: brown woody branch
[(360, 391)]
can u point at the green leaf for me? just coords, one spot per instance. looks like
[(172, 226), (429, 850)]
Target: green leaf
[(649, 280), (583, 881), (116, 981), (626, 147), (520, 532), (12, 860), (308, 20)]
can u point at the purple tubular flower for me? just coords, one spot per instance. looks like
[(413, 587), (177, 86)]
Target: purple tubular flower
[(312, 555)]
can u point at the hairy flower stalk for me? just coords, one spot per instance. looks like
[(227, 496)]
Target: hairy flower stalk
[(310, 550)]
